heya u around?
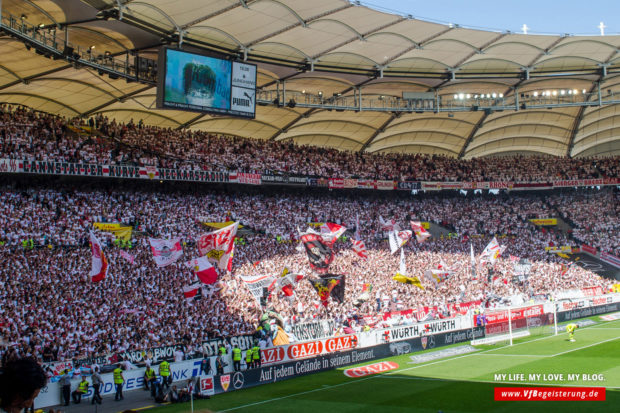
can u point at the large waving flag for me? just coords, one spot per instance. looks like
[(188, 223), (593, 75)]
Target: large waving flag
[(358, 245), (398, 239), (203, 269), (491, 252), (99, 268), (421, 234), (389, 225), (325, 285), (219, 245), (166, 251), (260, 286), (287, 281), (319, 252), (331, 232), (401, 275), (437, 276)]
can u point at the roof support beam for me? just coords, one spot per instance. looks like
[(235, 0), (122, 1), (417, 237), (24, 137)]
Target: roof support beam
[(473, 133), (291, 123), (33, 77), (380, 130), (191, 121), (479, 51), (32, 95), (582, 109), (118, 99)]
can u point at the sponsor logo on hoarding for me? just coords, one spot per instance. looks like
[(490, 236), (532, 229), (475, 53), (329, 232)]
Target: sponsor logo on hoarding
[(206, 384), (238, 380), (371, 369), (225, 381), (340, 343), (309, 349), (272, 355)]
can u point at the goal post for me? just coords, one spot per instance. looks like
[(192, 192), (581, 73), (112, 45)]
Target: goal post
[(505, 325)]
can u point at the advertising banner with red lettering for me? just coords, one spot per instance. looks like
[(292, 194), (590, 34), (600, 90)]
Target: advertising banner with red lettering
[(385, 185), (516, 314), (248, 179), (308, 349), (336, 183)]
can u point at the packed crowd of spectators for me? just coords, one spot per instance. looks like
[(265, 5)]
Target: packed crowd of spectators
[(25, 134), (52, 310), (595, 217), (50, 306)]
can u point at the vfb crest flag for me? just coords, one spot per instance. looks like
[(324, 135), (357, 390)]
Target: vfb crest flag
[(320, 255), (218, 246)]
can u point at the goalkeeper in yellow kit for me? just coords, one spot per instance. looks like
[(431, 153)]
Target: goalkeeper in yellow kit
[(570, 329)]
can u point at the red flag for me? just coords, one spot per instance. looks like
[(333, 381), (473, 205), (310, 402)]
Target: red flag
[(203, 269), (99, 268)]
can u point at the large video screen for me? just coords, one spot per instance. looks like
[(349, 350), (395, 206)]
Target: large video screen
[(206, 84)]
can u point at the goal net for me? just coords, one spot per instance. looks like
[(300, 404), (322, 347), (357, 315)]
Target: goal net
[(507, 325)]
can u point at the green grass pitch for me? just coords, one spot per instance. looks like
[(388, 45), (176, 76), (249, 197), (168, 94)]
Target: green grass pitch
[(462, 383)]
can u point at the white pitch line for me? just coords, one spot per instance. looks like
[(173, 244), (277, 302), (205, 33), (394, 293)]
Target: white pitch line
[(604, 328), (580, 348), (383, 375), (296, 394), (513, 355)]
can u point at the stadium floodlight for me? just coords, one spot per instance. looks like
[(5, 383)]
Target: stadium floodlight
[(468, 96), (494, 95), (461, 96), (501, 95), (535, 94)]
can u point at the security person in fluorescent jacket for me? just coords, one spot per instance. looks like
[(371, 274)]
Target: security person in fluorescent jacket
[(80, 391), (164, 372), (570, 329), (236, 352), (118, 382)]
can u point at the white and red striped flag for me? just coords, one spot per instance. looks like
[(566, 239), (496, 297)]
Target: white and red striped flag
[(358, 245), (203, 269), (99, 268)]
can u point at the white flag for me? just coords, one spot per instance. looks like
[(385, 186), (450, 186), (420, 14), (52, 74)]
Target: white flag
[(166, 251), (398, 239)]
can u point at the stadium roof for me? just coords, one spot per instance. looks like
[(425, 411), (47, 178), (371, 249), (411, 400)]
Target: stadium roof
[(340, 49)]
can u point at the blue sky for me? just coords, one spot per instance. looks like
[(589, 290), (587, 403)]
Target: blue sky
[(541, 16)]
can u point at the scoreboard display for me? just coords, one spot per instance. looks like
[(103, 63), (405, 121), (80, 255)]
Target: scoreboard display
[(200, 83)]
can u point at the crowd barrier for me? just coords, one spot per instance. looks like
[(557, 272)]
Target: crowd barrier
[(270, 178), (292, 360)]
